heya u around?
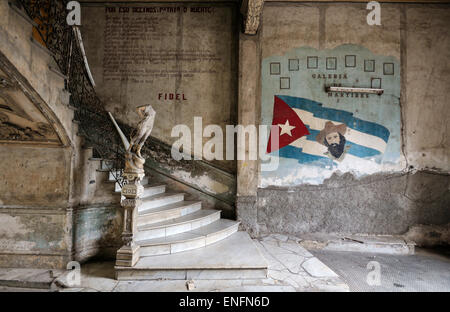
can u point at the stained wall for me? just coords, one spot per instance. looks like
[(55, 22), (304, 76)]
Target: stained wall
[(403, 184)]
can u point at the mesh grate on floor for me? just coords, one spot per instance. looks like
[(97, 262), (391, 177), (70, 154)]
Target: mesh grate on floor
[(422, 272)]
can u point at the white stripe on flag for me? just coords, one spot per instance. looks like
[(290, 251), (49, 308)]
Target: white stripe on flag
[(310, 147), (314, 148), (352, 135)]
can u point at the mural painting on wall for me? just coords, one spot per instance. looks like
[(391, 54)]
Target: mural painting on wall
[(322, 132)]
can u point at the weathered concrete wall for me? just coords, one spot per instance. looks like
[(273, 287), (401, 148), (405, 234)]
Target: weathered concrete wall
[(54, 200), (42, 183), (377, 204), (426, 44), (33, 62), (97, 231), (385, 201), (52, 212), (180, 58), (373, 117), (34, 237), (35, 184), (34, 192), (34, 176)]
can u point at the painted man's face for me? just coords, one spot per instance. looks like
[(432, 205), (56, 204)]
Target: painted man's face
[(335, 142), (333, 138)]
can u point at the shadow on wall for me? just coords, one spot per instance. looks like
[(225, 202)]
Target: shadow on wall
[(97, 232)]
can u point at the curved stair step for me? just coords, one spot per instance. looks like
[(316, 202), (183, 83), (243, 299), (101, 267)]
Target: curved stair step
[(149, 189), (234, 258), (158, 200), (168, 212), (118, 188), (178, 225), (193, 239)]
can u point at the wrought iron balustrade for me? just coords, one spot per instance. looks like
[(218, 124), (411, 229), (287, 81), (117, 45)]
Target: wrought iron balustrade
[(60, 39)]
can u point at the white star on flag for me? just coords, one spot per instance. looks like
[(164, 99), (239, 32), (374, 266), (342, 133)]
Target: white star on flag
[(286, 128)]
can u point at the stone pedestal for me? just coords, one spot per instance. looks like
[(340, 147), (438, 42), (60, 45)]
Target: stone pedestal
[(132, 190), (127, 256)]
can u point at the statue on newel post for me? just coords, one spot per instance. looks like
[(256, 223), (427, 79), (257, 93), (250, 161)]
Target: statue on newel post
[(132, 188)]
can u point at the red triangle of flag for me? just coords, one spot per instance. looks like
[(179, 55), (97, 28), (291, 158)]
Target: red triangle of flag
[(290, 126)]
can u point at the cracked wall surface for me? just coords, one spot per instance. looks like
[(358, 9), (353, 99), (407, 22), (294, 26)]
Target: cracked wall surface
[(417, 191), (41, 184), (41, 188)]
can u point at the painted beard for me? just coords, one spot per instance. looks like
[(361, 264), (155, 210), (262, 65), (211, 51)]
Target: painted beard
[(337, 149)]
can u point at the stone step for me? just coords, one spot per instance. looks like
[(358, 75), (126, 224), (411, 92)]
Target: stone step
[(235, 257), (178, 225), (112, 173), (149, 189), (158, 200), (168, 212), (118, 188), (27, 278), (193, 239)]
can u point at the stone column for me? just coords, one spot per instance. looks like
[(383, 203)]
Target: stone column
[(247, 170), (132, 190)]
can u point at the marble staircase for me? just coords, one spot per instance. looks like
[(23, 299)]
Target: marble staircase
[(176, 236), (167, 224)]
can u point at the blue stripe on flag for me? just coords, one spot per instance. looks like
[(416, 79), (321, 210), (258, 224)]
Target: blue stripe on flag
[(337, 115)]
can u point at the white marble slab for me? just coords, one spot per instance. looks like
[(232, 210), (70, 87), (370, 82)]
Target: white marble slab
[(235, 257), (236, 251)]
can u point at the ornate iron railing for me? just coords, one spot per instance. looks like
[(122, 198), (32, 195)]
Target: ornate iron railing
[(60, 39), (93, 121)]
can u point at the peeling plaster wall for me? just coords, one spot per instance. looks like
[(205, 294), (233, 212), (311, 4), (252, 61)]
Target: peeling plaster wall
[(50, 212), (97, 215), (377, 204), (177, 50), (388, 201), (54, 204), (97, 232), (33, 62), (35, 180), (34, 176), (426, 43), (57, 203), (35, 226)]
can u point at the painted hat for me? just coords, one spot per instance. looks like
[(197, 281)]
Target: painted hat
[(330, 128)]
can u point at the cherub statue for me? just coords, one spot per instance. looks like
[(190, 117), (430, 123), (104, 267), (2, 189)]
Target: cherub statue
[(134, 162), (143, 129)]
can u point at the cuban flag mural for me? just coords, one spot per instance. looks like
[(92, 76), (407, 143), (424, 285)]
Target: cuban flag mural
[(312, 133), (322, 133)]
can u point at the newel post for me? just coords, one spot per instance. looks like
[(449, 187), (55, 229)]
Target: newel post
[(132, 191), (132, 188)]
